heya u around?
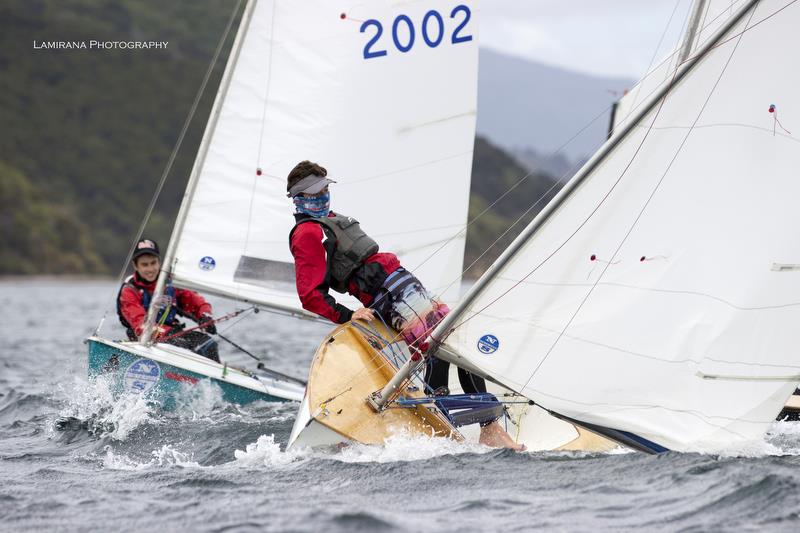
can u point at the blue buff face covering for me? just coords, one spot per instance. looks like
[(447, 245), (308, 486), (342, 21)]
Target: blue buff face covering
[(316, 207)]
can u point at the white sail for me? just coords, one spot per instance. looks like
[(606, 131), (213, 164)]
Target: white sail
[(705, 18), (659, 294), (381, 93)]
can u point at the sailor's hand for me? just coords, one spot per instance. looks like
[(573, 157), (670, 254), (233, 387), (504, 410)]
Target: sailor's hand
[(363, 314), (161, 331), (162, 301), (207, 323)]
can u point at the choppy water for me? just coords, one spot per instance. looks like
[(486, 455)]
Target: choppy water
[(215, 467)]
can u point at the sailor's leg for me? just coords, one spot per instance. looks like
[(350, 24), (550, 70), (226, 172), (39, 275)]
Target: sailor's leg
[(436, 375), (470, 383), (198, 342)]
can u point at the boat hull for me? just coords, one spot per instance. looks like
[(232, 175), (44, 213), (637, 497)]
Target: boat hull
[(352, 362), (165, 373)]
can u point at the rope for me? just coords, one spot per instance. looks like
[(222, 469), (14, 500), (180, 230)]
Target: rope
[(223, 318)]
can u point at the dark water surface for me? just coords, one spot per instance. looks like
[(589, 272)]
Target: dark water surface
[(215, 467)]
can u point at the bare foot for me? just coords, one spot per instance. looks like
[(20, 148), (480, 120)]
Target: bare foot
[(496, 437)]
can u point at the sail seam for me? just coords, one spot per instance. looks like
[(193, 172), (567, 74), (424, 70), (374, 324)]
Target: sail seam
[(667, 291)]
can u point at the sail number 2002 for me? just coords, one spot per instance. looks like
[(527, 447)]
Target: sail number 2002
[(432, 30)]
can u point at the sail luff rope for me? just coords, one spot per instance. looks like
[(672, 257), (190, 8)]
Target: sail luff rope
[(173, 155)]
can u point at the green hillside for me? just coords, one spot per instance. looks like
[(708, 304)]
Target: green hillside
[(87, 133), (91, 130)]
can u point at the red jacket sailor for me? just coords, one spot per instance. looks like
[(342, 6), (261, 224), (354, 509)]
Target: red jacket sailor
[(136, 295), (332, 252)]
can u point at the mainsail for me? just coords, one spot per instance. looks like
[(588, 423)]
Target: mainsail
[(659, 293), (381, 93)]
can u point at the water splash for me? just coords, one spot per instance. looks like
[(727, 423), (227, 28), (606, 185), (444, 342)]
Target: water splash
[(166, 456), (199, 401), (782, 439), (404, 447), (266, 452), (95, 404)]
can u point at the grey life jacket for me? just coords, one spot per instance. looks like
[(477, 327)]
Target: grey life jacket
[(353, 247)]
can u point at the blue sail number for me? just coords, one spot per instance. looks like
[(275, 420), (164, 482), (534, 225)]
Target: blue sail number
[(367, 52), (467, 14), (433, 31)]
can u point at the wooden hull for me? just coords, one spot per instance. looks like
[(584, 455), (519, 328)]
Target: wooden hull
[(352, 362)]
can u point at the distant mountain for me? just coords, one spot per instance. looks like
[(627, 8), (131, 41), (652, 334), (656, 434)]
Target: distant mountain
[(515, 195), (523, 104), (557, 165)]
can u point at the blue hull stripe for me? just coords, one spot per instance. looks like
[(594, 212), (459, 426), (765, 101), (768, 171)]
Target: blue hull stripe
[(625, 438)]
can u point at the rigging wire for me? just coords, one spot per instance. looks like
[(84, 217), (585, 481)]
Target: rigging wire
[(649, 128), (562, 179), (649, 199), (544, 195), (175, 150), (412, 345), (647, 71), (553, 187)]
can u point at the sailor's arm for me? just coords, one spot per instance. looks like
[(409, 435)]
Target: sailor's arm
[(310, 269), (130, 305), (192, 304)]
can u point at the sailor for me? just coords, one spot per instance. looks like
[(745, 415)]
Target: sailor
[(135, 297), (332, 252)]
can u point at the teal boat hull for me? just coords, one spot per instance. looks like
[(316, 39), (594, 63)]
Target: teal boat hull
[(164, 375)]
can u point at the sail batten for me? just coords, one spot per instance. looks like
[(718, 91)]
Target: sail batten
[(652, 272)]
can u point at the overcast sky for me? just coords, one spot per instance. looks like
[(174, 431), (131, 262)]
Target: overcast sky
[(606, 37)]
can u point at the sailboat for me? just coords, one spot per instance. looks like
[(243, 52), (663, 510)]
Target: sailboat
[(654, 301), (384, 96)]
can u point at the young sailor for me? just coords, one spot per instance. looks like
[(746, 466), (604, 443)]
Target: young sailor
[(331, 252), (135, 297)]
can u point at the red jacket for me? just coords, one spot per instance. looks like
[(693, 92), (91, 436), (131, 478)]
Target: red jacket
[(131, 309), (311, 247)]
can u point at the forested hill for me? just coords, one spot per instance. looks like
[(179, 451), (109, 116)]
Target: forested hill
[(87, 133)]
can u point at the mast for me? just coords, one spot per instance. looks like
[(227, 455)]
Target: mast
[(169, 257), (692, 30), (444, 328)]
